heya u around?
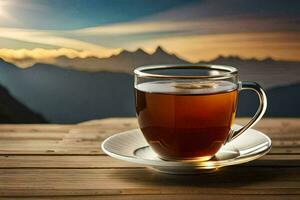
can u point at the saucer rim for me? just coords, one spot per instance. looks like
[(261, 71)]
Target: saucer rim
[(203, 165)]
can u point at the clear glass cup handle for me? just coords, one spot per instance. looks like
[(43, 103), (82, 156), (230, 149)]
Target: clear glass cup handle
[(259, 113)]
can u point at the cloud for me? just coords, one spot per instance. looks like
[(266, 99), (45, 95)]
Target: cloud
[(209, 17), (49, 37), (136, 28), (24, 58), (205, 19), (217, 25), (235, 9), (199, 31), (279, 45)]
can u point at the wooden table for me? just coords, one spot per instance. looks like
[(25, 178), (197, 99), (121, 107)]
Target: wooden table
[(65, 161)]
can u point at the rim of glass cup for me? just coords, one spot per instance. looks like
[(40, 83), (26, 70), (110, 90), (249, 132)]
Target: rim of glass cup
[(229, 71)]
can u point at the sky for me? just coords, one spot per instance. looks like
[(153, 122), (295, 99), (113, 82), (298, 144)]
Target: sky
[(193, 29)]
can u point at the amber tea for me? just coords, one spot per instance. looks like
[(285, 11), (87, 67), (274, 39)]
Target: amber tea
[(186, 119)]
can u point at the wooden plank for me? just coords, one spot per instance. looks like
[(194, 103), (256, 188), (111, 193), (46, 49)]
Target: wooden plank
[(85, 138), (234, 180), (272, 126), (269, 125), (35, 127), (165, 197), (75, 162), (56, 139), (31, 135), (284, 151), (59, 149), (102, 162), (91, 135), (79, 148)]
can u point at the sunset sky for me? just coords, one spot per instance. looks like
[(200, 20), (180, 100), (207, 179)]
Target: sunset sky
[(193, 29)]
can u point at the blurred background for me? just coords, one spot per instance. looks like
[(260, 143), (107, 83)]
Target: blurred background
[(71, 61)]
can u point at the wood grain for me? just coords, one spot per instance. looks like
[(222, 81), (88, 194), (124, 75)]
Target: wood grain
[(234, 180), (65, 161), (163, 197), (102, 162), (85, 138)]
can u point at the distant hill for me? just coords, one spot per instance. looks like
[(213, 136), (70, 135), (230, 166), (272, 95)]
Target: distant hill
[(12, 111), (282, 101), (126, 61), (268, 72), (70, 94)]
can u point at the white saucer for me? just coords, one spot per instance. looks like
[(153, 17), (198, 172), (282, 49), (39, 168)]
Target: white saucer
[(131, 146)]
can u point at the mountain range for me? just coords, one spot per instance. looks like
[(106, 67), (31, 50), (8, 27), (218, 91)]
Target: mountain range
[(267, 72), (125, 61), (88, 88)]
